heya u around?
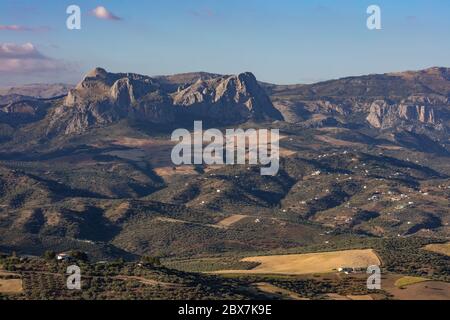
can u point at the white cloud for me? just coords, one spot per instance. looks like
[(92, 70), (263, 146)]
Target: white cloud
[(102, 13), (25, 58), (20, 28)]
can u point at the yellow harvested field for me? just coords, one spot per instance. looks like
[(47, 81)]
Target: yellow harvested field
[(362, 298), (5, 273), (228, 222), (297, 264), (11, 286), (407, 281), (335, 296), (133, 142), (441, 248)]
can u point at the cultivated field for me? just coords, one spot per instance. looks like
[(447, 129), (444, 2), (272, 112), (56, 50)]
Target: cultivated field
[(9, 286), (441, 248), (297, 264), (228, 222), (420, 290), (408, 281)]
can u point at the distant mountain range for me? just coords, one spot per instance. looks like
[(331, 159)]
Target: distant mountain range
[(39, 91), (102, 98), (412, 100), (89, 166), (417, 101)]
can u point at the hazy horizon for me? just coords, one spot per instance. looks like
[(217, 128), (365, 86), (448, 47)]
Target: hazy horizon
[(159, 75), (282, 42)]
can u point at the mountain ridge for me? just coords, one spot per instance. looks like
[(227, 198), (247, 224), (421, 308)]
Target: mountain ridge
[(415, 101), (102, 98), (93, 168)]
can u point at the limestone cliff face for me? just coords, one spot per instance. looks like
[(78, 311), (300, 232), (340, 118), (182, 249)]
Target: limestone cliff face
[(230, 98), (412, 100), (102, 98), (383, 115), (424, 114)]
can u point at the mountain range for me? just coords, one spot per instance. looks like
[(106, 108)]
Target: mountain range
[(412, 100), (88, 166)]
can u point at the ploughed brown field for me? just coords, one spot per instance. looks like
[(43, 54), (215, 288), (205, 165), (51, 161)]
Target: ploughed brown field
[(422, 290)]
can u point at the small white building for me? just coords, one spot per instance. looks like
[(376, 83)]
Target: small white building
[(346, 270), (63, 257)]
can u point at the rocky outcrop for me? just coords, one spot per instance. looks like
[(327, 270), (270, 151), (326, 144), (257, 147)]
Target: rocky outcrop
[(415, 100), (383, 115), (409, 100), (229, 98), (102, 98)]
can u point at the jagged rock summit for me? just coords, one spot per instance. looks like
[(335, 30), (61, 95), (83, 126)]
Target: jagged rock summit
[(102, 98)]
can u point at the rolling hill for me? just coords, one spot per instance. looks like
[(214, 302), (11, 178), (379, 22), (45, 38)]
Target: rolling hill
[(361, 157)]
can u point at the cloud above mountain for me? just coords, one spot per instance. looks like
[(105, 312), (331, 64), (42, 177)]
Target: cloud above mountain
[(101, 12), (26, 58)]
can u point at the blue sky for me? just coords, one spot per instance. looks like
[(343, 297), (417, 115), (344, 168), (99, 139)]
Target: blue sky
[(282, 41)]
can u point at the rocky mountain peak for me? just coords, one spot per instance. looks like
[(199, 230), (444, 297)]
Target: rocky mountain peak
[(102, 98), (97, 73), (231, 98)]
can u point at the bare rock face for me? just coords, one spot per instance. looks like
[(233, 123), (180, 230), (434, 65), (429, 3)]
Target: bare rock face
[(228, 99), (383, 115), (417, 101), (379, 111), (102, 98), (422, 114)]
